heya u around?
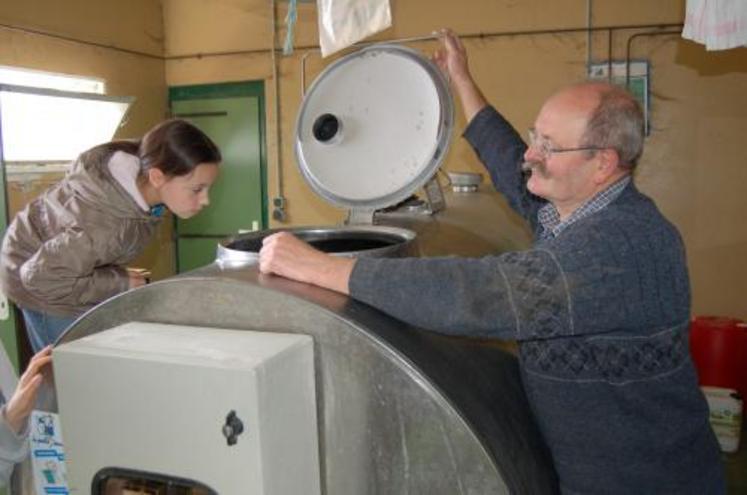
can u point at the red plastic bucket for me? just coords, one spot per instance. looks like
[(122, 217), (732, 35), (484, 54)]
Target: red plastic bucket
[(719, 350)]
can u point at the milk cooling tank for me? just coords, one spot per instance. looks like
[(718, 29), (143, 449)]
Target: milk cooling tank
[(398, 410), (387, 408)]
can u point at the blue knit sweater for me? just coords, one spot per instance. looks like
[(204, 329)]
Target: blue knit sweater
[(601, 313)]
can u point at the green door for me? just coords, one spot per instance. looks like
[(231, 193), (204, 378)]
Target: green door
[(232, 115)]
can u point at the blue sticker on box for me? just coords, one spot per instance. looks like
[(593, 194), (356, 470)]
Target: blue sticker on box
[(47, 454)]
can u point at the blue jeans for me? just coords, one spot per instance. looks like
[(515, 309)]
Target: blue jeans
[(44, 329)]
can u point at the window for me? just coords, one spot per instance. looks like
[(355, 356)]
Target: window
[(39, 79), (53, 117)]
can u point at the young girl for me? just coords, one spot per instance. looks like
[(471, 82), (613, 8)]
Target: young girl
[(68, 249)]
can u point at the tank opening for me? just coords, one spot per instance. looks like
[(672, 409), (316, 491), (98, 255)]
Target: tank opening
[(328, 242)]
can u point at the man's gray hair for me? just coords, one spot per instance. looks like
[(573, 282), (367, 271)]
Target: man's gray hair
[(617, 123)]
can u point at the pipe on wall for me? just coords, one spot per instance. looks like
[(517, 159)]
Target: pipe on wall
[(479, 35), (629, 44), (278, 202), (589, 29)]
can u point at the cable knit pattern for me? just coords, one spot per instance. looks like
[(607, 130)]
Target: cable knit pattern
[(540, 295), (612, 360), (601, 313)]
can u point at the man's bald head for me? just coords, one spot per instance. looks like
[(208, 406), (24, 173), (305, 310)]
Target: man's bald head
[(614, 118)]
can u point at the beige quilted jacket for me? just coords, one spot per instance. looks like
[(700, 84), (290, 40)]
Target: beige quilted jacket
[(67, 250)]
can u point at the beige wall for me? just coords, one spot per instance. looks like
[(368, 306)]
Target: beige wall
[(135, 25), (694, 158), (694, 164)]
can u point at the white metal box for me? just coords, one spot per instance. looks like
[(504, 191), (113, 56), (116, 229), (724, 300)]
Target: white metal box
[(155, 398)]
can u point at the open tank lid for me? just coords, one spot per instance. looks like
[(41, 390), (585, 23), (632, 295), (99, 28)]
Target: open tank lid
[(374, 127)]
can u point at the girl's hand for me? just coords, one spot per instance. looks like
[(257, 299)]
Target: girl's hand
[(22, 402)]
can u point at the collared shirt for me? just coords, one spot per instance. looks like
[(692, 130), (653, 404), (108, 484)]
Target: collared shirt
[(549, 218)]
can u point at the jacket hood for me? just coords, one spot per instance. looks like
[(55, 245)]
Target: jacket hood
[(92, 181)]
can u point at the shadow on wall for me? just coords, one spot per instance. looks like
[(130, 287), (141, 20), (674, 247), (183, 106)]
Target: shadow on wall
[(713, 63)]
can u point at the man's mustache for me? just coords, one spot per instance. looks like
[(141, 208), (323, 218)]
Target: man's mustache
[(530, 167)]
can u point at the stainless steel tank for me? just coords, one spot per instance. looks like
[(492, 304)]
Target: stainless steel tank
[(401, 410), (476, 223)]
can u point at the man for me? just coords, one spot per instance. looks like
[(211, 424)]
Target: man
[(599, 305)]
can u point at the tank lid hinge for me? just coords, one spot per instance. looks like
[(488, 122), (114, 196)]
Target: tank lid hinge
[(435, 195), (360, 216)]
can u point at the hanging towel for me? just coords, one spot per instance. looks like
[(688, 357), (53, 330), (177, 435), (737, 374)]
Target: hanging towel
[(718, 24), (344, 22)]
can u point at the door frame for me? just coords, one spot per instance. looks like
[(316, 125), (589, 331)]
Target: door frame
[(9, 331)]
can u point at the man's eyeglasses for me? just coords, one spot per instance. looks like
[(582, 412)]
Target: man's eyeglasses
[(546, 149)]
